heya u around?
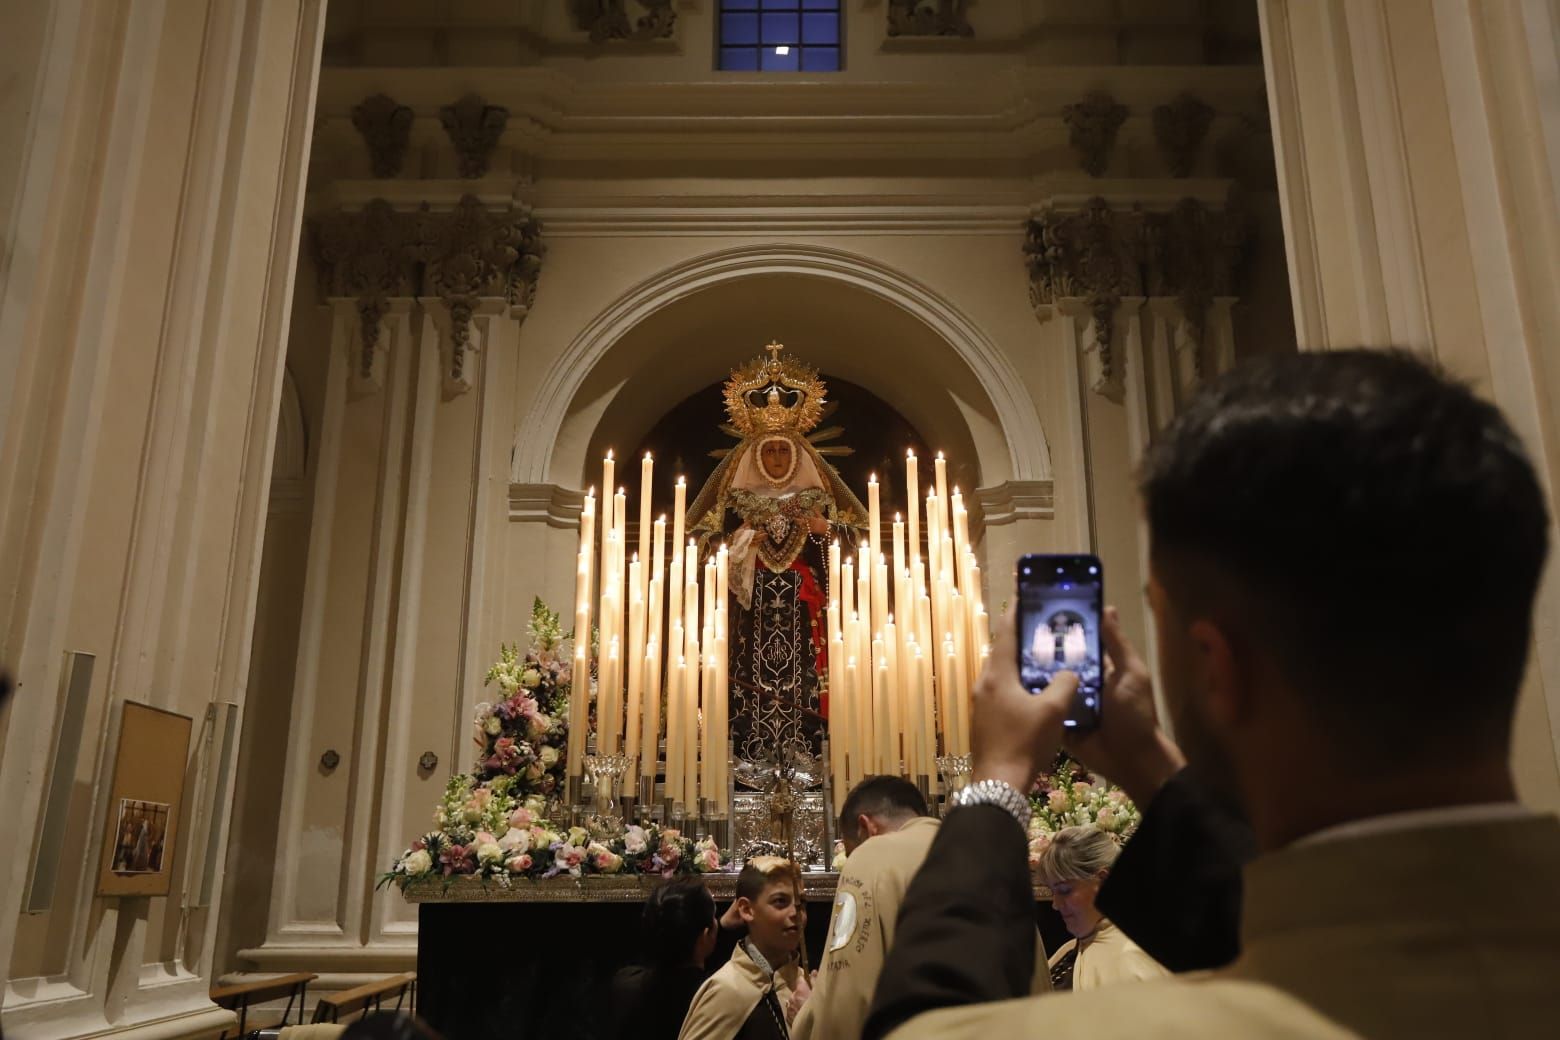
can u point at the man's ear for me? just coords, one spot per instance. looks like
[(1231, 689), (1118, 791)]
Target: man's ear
[(745, 908), (1221, 674), (867, 826)]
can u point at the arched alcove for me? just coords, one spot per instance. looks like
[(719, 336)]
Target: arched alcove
[(852, 317)]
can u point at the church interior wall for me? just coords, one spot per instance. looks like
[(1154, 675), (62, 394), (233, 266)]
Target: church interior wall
[(423, 520)]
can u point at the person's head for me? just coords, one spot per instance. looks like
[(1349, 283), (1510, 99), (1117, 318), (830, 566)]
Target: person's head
[(1073, 866), (776, 457), (769, 903), (878, 805), (1344, 553), (679, 924)]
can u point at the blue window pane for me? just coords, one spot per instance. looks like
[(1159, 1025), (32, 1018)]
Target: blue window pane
[(821, 59), (739, 5), (774, 61), (782, 28), (781, 5), (821, 5), (738, 28), (821, 28), (739, 59)]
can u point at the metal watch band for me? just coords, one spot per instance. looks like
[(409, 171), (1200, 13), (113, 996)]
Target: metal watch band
[(999, 793)]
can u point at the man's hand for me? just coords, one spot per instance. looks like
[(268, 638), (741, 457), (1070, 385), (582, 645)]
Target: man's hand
[(816, 523), (1129, 748), (1014, 734)]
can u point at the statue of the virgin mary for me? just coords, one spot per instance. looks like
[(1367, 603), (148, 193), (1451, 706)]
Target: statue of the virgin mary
[(777, 504)]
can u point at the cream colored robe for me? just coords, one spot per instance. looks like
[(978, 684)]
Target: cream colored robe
[(861, 930), (1108, 956), (1440, 931), (722, 1005)]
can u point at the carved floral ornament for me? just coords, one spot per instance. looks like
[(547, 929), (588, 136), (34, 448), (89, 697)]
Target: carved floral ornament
[(1179, 129), (1091, 130), (386, 127), (610, 19), (929, 18), (1101, 255), (474, 127), (461, 256)]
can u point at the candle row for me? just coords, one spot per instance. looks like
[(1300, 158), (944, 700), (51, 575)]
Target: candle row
[(662, 635), (907, 637)]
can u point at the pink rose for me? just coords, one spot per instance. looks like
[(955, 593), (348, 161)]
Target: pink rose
[(1056, 801), (521, 819), (1082, 790), (1117, 796), (484, 838), (519, 864), (711, 859)]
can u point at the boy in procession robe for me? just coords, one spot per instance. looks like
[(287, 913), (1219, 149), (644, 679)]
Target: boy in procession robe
[(891, 812), (748, 997)]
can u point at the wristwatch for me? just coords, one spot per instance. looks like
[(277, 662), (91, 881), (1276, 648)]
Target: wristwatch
[(999, 793)]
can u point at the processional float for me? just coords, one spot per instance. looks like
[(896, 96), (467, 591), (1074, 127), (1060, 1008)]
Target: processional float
[(868, 674)]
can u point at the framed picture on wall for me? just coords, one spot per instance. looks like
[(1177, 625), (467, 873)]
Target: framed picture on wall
[(141, 831)]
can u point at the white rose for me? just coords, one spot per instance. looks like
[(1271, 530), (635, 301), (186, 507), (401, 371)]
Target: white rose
[(515, 840), (535, 804), (492, 727), (489, 852), (549, 756), (530, 677), (634, 842), (418, 862)]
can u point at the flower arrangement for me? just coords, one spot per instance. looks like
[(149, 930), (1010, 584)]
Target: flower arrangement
[(490, 830), (492, 822), (524, 736), (1069, 797)]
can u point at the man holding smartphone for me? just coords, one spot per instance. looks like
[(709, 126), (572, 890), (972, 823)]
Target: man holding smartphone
[(1371, 757)]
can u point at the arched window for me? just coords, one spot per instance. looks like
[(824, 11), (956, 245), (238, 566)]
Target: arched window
[(779, 36)]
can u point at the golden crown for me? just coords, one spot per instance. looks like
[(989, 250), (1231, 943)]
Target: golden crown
[(774, 395)]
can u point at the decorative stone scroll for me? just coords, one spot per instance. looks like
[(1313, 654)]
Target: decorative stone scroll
[(474, 127), (461, 256), (1194, 254), (1095, 254), (386, 127), (929, 18), (609, 20), (1091, 130), (1179, 129), (1103, 255)]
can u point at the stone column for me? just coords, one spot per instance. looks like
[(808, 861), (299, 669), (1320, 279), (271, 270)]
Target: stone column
[(1418, 154)]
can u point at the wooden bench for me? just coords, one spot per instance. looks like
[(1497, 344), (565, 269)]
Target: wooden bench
[(242, 996), (371, 996)]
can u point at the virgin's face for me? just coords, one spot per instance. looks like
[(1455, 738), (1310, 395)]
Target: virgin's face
[(775, 457)]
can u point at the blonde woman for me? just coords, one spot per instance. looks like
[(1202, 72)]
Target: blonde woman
[(1073, 866)]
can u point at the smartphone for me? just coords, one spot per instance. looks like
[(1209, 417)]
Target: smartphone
[(1061, 600)]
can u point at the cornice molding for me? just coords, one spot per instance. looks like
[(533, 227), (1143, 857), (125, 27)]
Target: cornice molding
[(548, 504), (1016, 500)]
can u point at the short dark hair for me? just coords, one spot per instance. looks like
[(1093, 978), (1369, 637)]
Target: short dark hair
[(1371, 521), (888, 796), (760, 872), (676, 914)]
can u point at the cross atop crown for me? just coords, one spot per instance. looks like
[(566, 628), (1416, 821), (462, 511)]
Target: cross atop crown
[(774, 348)]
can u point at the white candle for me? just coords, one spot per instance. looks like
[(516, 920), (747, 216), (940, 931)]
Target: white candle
[(646, 471), (912, 503), (880, 711), (874, 518), (674, 712), (634, 664), (895, 699)]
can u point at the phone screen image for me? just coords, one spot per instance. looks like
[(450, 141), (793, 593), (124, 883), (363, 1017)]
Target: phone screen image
[(1061, 601)]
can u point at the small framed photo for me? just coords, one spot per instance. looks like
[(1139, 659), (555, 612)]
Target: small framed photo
[(141, 833)]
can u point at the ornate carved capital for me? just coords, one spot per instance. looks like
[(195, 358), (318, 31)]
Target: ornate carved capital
[(469, 253), (609, 20), (1091, 129), (474, 127), (387, 129), (1179, 129), (1194, 255), (1095, 254), (929, 18), (367, 256), (460, 256)]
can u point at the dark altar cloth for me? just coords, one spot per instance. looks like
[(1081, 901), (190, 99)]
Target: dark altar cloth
[(517, 970)]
